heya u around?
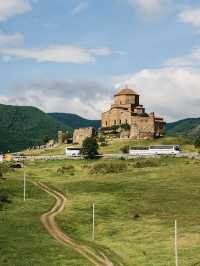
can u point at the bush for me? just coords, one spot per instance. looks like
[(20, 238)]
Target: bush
[(107, 168), (90, 148), (66, 169), (143, 163), (125, 149), (197, 142), (4, 169)]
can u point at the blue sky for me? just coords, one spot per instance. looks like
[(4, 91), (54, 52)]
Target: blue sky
[(69, 55)]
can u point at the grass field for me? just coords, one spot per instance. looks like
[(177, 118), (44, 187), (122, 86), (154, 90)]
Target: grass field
[(135, 212), (115, 145)]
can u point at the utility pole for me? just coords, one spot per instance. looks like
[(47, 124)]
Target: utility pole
[(176, 244), (24, 186), (93, 222)]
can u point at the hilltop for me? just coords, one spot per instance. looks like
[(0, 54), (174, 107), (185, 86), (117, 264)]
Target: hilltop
[(75, 121), (22, 127)]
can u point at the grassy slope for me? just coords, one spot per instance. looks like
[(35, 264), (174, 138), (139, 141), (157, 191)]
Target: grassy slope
[(23, 240), (75, 121), (22, 127), (114, 146), (159, 195)]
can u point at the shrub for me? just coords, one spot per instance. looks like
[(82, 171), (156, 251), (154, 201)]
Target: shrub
[(125, 149), (197, 142), (90, 148), (4, 169), (107, 168), (143, 163), (66, 169)]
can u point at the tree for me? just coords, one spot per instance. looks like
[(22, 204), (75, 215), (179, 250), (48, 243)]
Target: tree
[(102, 141), (90, 147), (125, 149), (46, 139), (197, 142)]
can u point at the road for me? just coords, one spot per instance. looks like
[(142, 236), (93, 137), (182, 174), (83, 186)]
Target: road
[(194, 155), (49, 222)]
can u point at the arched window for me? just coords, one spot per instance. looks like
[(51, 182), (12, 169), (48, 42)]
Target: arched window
[(115, 122), (120, 121)]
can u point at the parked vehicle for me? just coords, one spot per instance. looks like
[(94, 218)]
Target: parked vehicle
[(72, 151), (155, 150), (1, 157)]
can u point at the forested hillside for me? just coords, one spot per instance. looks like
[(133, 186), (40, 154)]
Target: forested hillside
[(22, 127), (75, 121)]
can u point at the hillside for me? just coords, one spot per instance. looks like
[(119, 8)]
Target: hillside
[(75, 121), (136, 203), (187, 127), (22, 127)]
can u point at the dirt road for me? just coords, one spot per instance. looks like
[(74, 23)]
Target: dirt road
[(48, 220)]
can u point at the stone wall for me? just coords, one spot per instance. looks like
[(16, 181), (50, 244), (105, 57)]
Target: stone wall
[(81, 134)]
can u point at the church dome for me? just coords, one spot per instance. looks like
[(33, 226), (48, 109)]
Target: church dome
[(126, 91)]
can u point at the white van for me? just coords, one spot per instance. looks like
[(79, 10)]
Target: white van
[(72, 152)]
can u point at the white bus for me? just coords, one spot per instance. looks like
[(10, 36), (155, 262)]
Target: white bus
[(155, 150), (1, 158), (72, 152)]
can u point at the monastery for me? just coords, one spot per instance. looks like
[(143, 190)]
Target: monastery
[(127, 109)]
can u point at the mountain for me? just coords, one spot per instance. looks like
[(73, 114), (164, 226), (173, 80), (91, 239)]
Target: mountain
[(22, 127), (186, 127), (75, 121)]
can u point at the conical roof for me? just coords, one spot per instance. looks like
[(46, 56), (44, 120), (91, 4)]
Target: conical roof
[(126, 91)]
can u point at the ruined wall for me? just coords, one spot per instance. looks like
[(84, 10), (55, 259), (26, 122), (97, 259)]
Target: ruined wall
[(82, 133)]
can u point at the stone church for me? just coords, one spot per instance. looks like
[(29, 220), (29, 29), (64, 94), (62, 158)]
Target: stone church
[(127, 109)]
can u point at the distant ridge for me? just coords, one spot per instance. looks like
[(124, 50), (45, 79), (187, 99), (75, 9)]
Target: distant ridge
[(22, 127), (186, 127), (75, 121)]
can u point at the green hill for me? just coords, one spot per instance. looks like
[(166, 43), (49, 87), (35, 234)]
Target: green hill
[(75, 121), (186, 127), (22, 127)]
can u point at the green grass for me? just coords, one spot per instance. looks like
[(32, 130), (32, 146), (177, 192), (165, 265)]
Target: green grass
[(158, 195), (115, 145)]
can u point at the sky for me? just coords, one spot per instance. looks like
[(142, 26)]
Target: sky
[(72, 56)]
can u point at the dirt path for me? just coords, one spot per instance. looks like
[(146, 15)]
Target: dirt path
[(48, 220)]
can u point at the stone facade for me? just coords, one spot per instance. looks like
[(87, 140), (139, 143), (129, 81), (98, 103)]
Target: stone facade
[(127, 110), (81, 134), (61, 137)]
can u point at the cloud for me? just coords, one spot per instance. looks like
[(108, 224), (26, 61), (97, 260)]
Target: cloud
[(11, 39), (190, 60), (10, 8), (173, 93), (191, 16), (148, 7), (86, 98), (81, 7), (58, 54)]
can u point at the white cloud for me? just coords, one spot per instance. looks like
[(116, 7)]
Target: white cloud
[(58, 54), (192, 59), (12, 39), (148, 7), (191, 16), (9, 8), (86, 98), (81, 7), (174, 93)]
